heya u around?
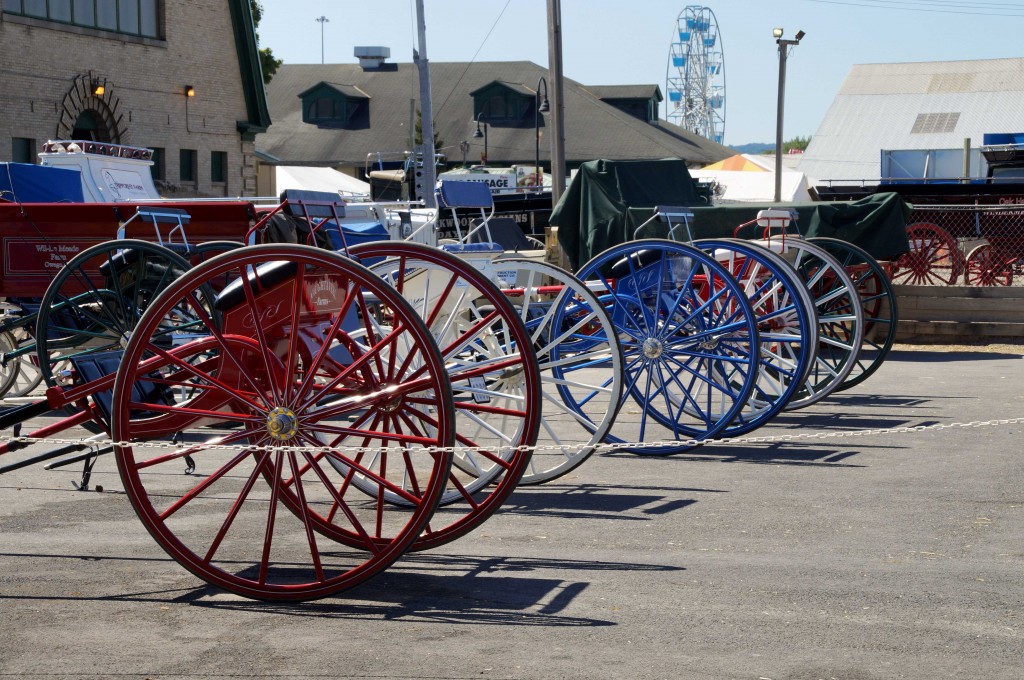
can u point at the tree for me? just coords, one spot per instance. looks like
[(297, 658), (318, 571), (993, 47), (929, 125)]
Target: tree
[(798, 143), (268, 64), (438, 142)]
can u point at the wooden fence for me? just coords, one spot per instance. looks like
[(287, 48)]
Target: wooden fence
[(948, 313)]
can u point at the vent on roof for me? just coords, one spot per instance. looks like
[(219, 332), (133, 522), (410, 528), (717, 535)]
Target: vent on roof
[(928, 123), (372, 58)]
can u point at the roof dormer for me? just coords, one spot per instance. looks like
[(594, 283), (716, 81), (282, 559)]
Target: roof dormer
[(330, 105), (639, 101), (504, 104)]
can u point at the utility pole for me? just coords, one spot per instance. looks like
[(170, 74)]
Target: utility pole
[(784, 46), (425, 175), (557, 100)]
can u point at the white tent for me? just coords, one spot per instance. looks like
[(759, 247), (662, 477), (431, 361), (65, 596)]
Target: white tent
[(735, 186), (318, 179)]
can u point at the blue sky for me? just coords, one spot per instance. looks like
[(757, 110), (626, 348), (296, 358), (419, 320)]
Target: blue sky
[(609, 42)]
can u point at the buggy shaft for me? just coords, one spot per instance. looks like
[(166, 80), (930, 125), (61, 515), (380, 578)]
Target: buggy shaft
[(61, 425)]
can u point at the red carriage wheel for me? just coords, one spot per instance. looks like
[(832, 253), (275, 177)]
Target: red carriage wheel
[(287, 370), (934, 258), (989, 265)]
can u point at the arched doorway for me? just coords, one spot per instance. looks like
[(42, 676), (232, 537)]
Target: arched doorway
[(90, 117), (89, 127)]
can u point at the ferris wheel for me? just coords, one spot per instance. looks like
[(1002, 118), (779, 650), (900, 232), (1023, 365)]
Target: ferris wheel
[(695, 82)]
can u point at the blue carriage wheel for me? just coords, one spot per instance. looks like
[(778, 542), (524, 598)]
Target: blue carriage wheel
[(688, 337), (786, 325)]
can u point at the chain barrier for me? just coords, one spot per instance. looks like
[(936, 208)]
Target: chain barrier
[(93, 443)]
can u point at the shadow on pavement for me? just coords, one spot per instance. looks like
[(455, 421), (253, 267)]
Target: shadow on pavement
[(932, 356), (598, 501), (420, 587)]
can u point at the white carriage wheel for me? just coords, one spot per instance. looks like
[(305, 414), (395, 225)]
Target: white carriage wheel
[(840, 316), (580, 363)]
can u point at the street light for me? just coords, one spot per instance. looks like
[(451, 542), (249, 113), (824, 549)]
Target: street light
[(478, 135), (321, 20), (539, 107), (784, 46)]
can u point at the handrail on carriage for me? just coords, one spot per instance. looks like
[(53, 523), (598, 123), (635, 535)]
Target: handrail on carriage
[(157, 216), (315, 207), (675, 216), (456, 195), (769, 219)]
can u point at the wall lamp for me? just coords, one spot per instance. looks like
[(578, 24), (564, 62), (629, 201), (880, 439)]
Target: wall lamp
[(98, 88), (190, 91)]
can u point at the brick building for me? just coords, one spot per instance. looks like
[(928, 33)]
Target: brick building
[(182, 78)]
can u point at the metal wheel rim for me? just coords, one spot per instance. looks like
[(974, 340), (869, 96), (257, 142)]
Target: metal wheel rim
[(879, 303), (840, 317), (409, 365), (666, 336), (788, 329)]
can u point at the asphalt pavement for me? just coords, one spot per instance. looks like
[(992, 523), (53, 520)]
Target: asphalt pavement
[(872, 535)]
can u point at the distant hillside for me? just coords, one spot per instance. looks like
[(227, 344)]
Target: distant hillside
[(753, 147)]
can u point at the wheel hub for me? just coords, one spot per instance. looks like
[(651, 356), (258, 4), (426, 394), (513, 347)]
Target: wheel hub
[(282, 423), (652, 348), (710, 344), (512, 377), (391, 405)]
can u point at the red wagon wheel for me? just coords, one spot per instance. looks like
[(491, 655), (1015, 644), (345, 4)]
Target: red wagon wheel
[(291, 371), (934, 258), (989, 265)]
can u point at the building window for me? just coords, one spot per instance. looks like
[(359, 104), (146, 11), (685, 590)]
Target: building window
[(503, 106), (330, 111), (218, 166), (134, 17), (23, 150), (187, 169), (159, 168), (335, 106)]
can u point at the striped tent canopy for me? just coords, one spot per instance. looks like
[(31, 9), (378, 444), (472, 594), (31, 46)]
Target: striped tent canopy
[(739, 162)]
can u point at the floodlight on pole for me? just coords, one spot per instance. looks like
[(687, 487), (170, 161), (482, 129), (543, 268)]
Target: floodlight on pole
[(321, 20), (784, 46)]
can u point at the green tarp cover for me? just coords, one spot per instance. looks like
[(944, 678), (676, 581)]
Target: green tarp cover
[(608, 200), (594, 212), (876, 223)]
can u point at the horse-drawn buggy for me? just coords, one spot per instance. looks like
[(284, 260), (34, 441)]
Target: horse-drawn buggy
[(295, 394)]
